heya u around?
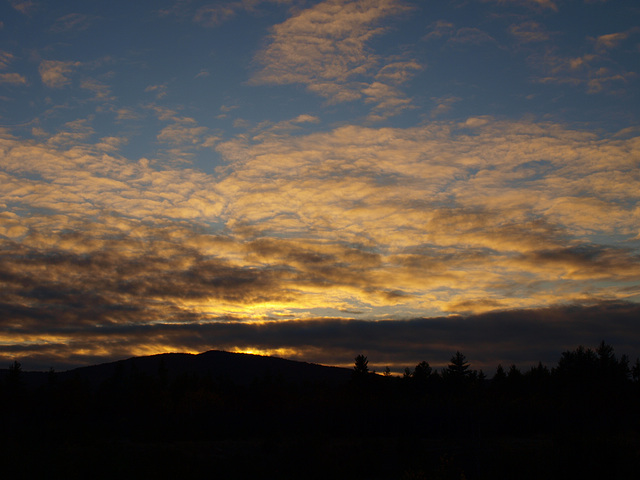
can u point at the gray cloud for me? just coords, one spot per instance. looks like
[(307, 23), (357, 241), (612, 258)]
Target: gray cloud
[(529, 32), (523, 337), (72, 21)]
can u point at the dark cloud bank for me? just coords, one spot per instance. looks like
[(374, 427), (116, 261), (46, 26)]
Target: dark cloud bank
[(522, 337), (64, 308)]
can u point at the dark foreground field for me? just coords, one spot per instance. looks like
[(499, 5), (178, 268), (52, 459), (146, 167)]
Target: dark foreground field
[(220, 415), (310, 457)]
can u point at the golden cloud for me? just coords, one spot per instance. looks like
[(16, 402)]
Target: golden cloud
[(381, 221), (55, 73)]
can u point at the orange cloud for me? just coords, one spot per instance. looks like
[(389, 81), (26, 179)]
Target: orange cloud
[(447, 217), (55, 73), (325, 48)]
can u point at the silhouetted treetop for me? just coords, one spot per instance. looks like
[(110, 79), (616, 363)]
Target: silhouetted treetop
[(422, 371), (500, 374), (361, 367), (580, 364), (14, 377), (635, 371), (458, 366)]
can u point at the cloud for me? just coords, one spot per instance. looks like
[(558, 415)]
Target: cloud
[(111, 144), (537, 4), (12, 79), (545, 4), (5, 59), (181, 133), (613, 40), (228, 108), (323, 42), (586, 261), (126, 114), (141, 227), (214, 15), (386, 223), (520, 337), (596, 72), (100, 90), (398, 72), (440, 29), (388, 100), (444, 104), (72, 132), (529, 32), (506, 192), (160, 90), (304, 118), (394, 187), (458, 37), (266, 129), (71, 21), (610, 40), (325, 48), (475, 122), (23, 6), (82, 181), (54, 73), (470, 36)]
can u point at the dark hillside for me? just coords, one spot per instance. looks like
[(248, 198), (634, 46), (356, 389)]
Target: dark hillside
[(241, 368)]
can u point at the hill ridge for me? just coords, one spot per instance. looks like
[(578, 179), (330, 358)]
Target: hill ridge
[(241, 368)]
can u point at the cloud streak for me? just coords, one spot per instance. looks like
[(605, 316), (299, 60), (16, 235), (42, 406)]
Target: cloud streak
[(512, 337)]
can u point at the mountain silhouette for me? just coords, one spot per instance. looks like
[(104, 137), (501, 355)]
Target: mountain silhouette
[(241, 368)]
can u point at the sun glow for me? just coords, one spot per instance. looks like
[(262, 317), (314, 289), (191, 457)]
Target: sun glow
[(267, 352), (144, 350)]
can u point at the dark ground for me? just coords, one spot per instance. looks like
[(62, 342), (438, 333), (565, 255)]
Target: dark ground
[(225, 416)]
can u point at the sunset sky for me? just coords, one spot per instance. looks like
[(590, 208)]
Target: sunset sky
[(319, 179)]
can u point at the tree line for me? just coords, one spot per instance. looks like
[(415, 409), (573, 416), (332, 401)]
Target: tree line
[(582, 416)]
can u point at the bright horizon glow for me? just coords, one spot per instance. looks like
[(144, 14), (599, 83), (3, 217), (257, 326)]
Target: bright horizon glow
[(297, 175)]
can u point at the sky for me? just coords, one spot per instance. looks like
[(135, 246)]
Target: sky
[(319, 179)]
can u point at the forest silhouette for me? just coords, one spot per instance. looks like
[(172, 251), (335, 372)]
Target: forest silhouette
[(222, 415)]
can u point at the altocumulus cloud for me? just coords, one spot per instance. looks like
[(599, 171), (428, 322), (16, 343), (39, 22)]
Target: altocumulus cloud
[(102, 257), (389, 177), (325, 48)]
